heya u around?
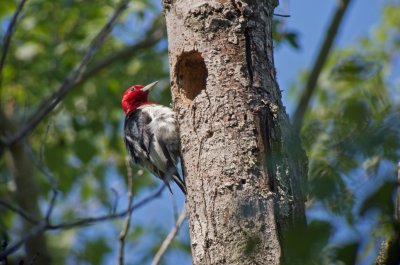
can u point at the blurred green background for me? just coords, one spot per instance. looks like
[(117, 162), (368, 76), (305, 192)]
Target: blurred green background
[(350, 132)]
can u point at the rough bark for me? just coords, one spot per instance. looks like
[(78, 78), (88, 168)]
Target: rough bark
[(244, 169), (389, 250)]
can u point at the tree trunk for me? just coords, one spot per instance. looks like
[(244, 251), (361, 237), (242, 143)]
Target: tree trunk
[(244, 171), (26, 195)]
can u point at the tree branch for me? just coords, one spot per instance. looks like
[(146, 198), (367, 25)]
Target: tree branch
[(125, 229), (397, 210), (43, 226), (4, 245), (8, 36), (92, 220), (75, 78), (19, 211), (155, 34), (46, 172), (6, 127), (309, 88), (47, 105), (36, 230), (164, 246)]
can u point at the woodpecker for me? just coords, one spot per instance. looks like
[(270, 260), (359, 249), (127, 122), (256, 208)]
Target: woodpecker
[(151, 135)]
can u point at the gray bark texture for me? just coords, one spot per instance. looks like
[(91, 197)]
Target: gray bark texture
[(244, 169)]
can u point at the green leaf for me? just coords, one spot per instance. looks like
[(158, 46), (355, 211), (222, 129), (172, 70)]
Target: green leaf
[(382, 199), (292, 39), (94, 251), (305, 244), (347, 253), (85, 149)]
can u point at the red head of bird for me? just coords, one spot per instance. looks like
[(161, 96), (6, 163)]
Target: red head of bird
[(136, 96)]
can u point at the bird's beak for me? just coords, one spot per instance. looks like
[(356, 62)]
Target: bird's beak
[(149, 86)]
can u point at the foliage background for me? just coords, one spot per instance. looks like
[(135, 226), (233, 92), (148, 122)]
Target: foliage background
[(350, 132)]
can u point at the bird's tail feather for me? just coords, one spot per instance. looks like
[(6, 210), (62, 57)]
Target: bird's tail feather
[(180, 183), (168, 186)]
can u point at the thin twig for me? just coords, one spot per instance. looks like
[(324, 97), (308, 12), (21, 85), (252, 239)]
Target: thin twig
[(167, 241), (19, 211), (114, 206), (281, 15), (48, 104), (156, 32), (174, 207), (42, 167), (8, 36), (50, 177), (397, 210), (127, 222), (34, 258), (92, 220), (4, 244), (308, 90), (43, 226), (49, 211), (40, 228), (46, 172), (26, 215), (41, 164)]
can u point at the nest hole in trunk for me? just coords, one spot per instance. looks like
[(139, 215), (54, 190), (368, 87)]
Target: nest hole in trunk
[(191, 75)]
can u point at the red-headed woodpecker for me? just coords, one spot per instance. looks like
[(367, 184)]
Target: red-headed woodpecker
[(151, 135)]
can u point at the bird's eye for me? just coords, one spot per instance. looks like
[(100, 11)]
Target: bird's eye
[(132, 88)]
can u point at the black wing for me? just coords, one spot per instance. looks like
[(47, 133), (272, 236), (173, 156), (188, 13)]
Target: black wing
[(173, 171), (149, 150), (137, 135)]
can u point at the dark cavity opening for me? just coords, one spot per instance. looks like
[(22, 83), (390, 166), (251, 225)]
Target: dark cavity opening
[(191, 74)]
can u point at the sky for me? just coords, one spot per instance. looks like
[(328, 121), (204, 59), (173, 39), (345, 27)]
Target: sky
[(310, 19)]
